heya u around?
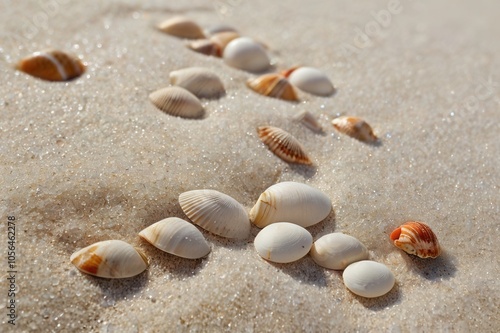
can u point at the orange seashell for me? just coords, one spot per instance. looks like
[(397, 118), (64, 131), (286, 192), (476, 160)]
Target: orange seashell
[(223, 38), (273, 85), (52, 65), (416, 238), (283, 145), (355, 127)]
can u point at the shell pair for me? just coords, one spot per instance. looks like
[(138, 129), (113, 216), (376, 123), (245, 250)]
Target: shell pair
[(52, 65)]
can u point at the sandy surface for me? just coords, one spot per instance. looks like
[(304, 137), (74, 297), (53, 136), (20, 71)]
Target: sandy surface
[(92, 159)]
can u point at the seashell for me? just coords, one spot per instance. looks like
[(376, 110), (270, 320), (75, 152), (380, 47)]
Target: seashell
[(283, 145), (416, 238), (292, 202), (311, 80), (200, 81), (178, 237), (309, 120), (110, 259), (206, 47), (180, 26), (223, 38), (177, 101), (283, 242), (52, 65), (216, 212), (246, 54), (273, 85), (337, 251), (368, 278), (355, 127)]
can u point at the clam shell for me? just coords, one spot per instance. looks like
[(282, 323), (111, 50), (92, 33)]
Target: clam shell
[(292, 202), (283, 145), (246, 54), (52, 65), (283, 242), (183, 27), (206, 47), (368, 278), (273, 85), (178, 237), (311, 80), (337, 251), (216, 212), (110, 259), (309, 120), (355, 127), (177, 101), (416, 238), (200, 81)]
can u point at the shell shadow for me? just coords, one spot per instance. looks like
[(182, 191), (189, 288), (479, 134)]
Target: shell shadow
[(383, 302), (306, 171), (118, 289), (441, 267), (304, 270), (376, 144), (324, 227)]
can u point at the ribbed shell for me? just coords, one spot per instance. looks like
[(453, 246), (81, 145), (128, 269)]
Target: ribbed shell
[(273, 85), (416, 238), (355, 127), (52, 65), (368, 278), (182, 27), (206, 47), (200, 81), (283, 145), (177, 101), (311, 80), (246, 54), (337, 251), (309, 120)]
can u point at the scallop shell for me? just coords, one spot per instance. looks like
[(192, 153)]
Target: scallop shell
[(283, 145), (311, 80), (177, 101), (183, 27), (292, 202), (206, 47), (200, 81), (52, 65), (273, 85), (283, 242), (110, 259), (355, 127), (309, 120), (368, 278), (216, 212), (337, 251), (178, 237), (416, 238), (246, 54)]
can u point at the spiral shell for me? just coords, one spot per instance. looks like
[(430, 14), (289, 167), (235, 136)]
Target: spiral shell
[(52, 65), (416, 238), (246, 54), (283, 145), (178, 102), (273, 85), (182, 27), (202, 82), (355, 127)]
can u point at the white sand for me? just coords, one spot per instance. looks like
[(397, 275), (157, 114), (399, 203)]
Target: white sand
[(92, 159)]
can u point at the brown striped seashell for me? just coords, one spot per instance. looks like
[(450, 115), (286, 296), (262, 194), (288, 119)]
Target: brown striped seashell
[(273, 85), (355, 127), (206, 47), (177, 101), (52, 65), (182, 27), (283, 145), (416, 238)]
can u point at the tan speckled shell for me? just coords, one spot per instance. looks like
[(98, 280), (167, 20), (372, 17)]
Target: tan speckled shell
[(283, 145), (355, 127), (273, 85), (52, 65), (182, 27), (178, 102), (416, 238)]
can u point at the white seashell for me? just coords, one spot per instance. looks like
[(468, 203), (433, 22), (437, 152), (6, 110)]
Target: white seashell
[(216, 212), (246, 54), (180, 26), (110, 259), (309, 120), (337, 251), (200, 81), (283, 242), (292, 202), (178, 237), (178, 102), (368, 278), (311, 80), (283, 145)]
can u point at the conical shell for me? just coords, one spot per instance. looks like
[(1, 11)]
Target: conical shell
[(246, 54), (200, 81), (416, 238), (178, 237), (177, 101), (110, 259), (309, 120), (337, 251), (52, 65), (206, 47), (368, 278), (355, 127), (292, 202), (311, 80), (216, 212), (273, 85), (283, 145), (182, 27)]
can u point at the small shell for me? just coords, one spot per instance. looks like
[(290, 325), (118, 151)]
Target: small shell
[(178, 102), (416, 238), (311, 80), (292, 202), (283, 145), (219, 28), (180, 26), (110, 259), (206, 47), (309, 120), (178, 237), (200, 81), (216, 212), (355, 127), (246, 54), (368, 278), (283, 242), (337, 251), (52, 65), (273, 85), (223, 38)]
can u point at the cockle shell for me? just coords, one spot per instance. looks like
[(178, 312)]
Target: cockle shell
[(311, 80), (110, 259), (368, 278), (52, 65), (246, 54), (355, 127), (337, 251), (292, 202), (416, 238), (202, 82), (273, 85), (309, 120), (178, 102), (283, 242), (216, 212), (206, 47), (178, 237), (283, 145), (183, 27)]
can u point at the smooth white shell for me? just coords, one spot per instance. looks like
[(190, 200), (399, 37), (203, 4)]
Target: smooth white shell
[(292, 202), (312, 80), (178, 237), (283, 242), (202, 82), (244, 53), (337, 251), (177, 101), (309, 120), (368, 278)]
